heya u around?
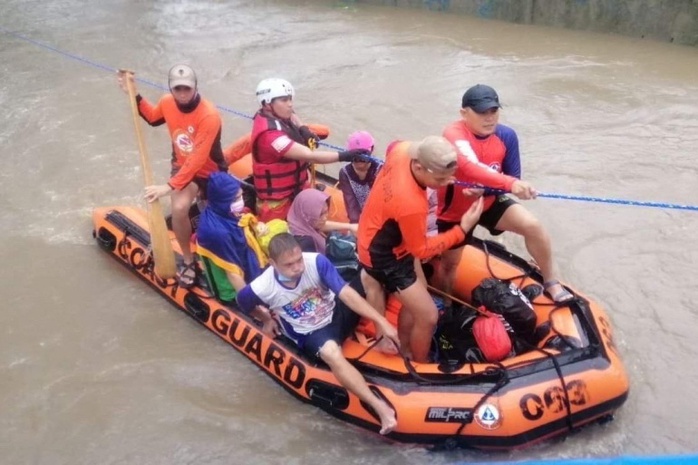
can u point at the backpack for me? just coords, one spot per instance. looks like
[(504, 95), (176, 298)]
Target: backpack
[(454, 336), (506, 299), (341, 251), (274, 227)]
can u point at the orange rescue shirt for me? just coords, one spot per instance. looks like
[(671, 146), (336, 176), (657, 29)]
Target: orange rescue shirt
[(196, 137), (393, 223)]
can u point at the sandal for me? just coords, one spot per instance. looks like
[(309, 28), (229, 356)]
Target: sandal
[(186, 275), (562, 296)]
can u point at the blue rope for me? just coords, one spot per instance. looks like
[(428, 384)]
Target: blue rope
[(107, 68), (583, 198), (338, 148)]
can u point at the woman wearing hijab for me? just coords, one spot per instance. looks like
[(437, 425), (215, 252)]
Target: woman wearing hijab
[(225, 238), (307, 220)]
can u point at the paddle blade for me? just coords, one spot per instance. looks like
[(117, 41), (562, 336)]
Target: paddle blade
[(163, 255)]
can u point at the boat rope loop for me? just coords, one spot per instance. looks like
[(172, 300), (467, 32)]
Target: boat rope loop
[(563, 385), (368, 349), (520, 277), (550, 356), (455, 440), (503, 380)]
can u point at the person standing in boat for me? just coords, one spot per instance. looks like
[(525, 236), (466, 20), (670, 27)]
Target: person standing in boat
[(480, 139), (393, 232), (194, 125), (283, 150), (303, 293), (226, 239), (357, 178)]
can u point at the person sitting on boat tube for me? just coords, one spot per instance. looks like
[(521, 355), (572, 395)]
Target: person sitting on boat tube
[(194, 125), (226, 239), (480, 138), (393, 231), (303, 293), (282, 150), (357, 178), (307, 220)]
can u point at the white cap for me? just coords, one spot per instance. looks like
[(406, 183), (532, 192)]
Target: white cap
[(181, 75), (434, 153)]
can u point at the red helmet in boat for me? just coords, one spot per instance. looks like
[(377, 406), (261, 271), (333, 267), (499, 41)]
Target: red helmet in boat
[(491, 336)]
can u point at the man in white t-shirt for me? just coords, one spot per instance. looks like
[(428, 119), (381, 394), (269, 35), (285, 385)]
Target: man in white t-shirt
[(304, 293)]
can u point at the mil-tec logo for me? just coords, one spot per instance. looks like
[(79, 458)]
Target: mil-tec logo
[(488, 416), (448, 414)]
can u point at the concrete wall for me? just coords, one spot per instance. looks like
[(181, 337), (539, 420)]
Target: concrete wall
[(666, 20)]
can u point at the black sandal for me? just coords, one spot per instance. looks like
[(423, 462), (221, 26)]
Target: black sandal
[(186, 275)]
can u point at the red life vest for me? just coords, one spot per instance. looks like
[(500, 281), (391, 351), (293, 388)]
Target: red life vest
[(282, 178)]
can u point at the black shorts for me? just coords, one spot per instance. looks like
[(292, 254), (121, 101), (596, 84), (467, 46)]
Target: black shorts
[(201, 183), (396, 276), (344, 320), (488, 219)]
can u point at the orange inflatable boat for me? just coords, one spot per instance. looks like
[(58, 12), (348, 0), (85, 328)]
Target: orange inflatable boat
[(573, 377)]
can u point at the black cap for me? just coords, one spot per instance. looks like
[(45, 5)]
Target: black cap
[(480, 98)]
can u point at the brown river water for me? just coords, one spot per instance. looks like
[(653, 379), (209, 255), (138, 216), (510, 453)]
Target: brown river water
[(95, 367)]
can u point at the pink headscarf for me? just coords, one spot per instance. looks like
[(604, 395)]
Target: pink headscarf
[(305, 211)]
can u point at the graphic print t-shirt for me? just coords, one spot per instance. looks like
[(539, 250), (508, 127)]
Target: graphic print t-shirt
[(306, 307)]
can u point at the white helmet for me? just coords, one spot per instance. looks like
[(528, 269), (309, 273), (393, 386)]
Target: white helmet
[(269, 89)]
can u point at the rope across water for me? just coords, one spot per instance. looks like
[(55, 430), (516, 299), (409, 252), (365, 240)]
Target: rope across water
[(579, 198)]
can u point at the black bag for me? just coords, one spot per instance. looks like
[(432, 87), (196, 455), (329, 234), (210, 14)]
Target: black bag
[(341, 251), (506, 299), (454, 336)]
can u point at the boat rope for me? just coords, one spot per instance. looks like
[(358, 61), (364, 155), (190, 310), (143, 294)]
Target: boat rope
[(368, 349), (110, 69), (455, 439), (521, 277), (563, 385)]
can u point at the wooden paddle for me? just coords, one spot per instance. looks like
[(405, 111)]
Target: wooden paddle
[(454, 299), (163, 255)]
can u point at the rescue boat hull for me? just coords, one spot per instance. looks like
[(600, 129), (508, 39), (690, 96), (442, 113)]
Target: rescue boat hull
[(535, 396)]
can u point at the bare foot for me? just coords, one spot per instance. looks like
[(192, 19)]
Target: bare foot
[(387, 416)]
